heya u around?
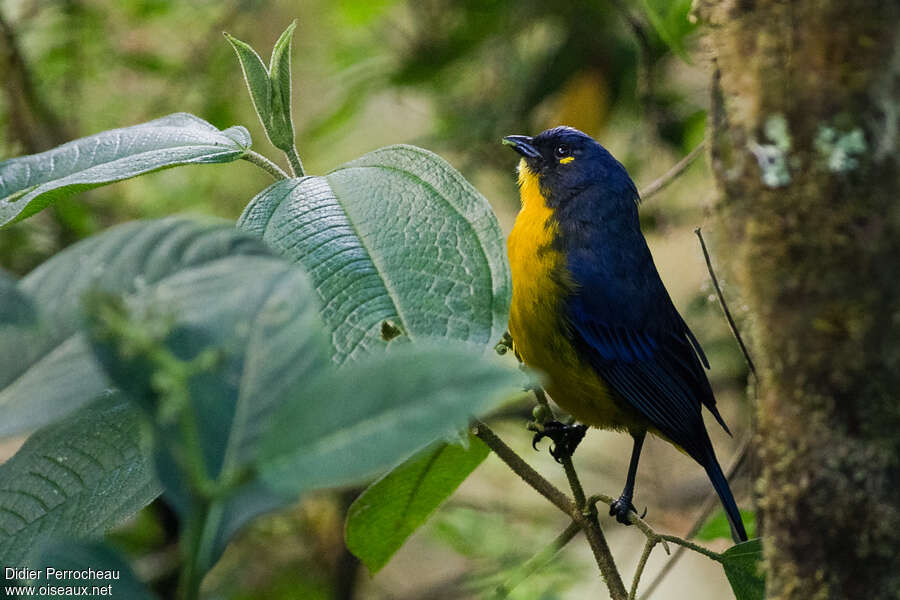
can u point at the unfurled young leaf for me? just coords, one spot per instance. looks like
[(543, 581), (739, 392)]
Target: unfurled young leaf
[(392, 508), (270, 88), (280, 76), (743, 564), (30, 183)]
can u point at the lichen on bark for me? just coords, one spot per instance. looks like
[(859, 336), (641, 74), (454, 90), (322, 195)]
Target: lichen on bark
[(817, 258)]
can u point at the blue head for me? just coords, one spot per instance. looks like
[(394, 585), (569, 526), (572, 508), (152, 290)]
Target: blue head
[(568, 162)]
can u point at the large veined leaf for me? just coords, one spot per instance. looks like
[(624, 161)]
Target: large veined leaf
[(397, 235), (742, 564), (389, 510), (46, 369), (16, 309), (30, 183), (369, 415), (223, 287), (76, 478), (259, 316)]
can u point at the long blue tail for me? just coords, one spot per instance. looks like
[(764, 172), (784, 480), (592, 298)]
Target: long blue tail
[(717, 477)]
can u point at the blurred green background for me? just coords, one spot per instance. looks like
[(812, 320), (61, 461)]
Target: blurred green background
[(453, 76)]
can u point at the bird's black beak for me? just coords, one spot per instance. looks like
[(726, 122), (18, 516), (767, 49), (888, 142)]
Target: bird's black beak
[(523, 145)]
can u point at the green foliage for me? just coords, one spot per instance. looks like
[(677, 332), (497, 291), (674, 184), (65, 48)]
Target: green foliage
[(46, 368), (717, 526), (670, 21), (80, 557), (75, 478), (344, 329), (743, 567), (392, 508), (397, 235), (220, 344), (30, 183), (499, 545), (379, 411), (270, 88)]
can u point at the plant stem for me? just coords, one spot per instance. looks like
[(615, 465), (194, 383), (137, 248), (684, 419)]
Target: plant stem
[(604, 557), (584, 517), (731, 323), (648, 548), (296, 163), (669, 176), (692, 546), (523, 469), (266, 165), (538, 561)]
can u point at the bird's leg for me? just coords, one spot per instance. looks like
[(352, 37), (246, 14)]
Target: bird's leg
[(622, 506), (565, 438)]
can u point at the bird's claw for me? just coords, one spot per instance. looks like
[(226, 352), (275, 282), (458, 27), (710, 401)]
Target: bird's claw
[(565, 438), (620, 508)]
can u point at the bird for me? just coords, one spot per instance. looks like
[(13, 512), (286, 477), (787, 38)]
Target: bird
[(591, 313)]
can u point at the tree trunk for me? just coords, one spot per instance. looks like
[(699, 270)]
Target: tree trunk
[(804, 144)]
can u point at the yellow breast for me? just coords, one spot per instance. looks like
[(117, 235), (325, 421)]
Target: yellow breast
[(540, 284)]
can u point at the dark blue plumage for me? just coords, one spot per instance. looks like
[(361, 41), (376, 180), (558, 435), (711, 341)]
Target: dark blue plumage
[(616, 312)]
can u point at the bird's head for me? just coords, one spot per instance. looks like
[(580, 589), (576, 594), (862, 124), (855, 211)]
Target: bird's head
[(564, 161)]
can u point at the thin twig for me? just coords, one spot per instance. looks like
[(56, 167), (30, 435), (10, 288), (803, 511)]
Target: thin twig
[(538, 561), (34, 122), (587, 522), (692, 546), (669, 176), (523, 469), (645, 78), (635, 520), (574, 483), (648, 548), (267, 165), (731, 323)]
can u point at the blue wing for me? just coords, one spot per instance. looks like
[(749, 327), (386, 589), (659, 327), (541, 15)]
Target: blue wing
[(624, 323)]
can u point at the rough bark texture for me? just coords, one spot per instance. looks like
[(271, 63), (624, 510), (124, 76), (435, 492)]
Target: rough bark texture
[(804, 119)]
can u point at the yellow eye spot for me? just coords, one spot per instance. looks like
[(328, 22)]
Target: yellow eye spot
[(566, 160)]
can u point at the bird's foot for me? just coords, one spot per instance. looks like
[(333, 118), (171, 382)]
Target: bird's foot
[(565, 438), (620, 508)]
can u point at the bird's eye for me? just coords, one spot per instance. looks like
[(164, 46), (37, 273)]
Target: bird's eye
[(562, 150)]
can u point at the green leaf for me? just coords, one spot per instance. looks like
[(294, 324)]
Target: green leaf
[(282, 133), (257, 320), (397, 235), (366, 417), (77, 478), (743, 567), (222, 345), (717, 526), (256, 76), (74, 556), (16, 308), (30, 183), (392, 508), (270, 88), (47, 370), (670, 20)]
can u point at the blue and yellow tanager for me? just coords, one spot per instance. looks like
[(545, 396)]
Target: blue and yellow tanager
[(590, 311)]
